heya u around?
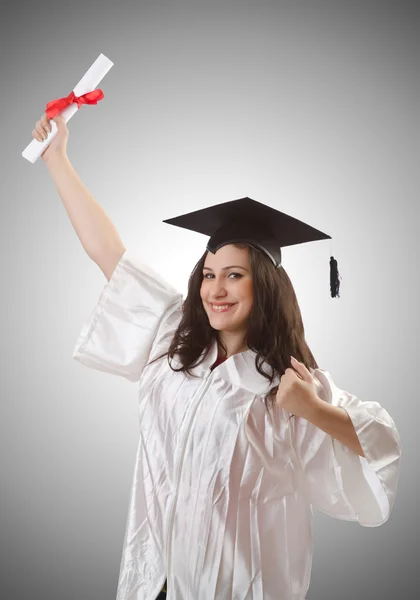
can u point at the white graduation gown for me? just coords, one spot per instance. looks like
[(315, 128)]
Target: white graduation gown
[(222, 495)]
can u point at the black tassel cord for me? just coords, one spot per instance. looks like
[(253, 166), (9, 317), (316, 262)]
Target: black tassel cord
[(334, 278)]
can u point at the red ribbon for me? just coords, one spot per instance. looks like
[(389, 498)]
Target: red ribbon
[(56, 106)]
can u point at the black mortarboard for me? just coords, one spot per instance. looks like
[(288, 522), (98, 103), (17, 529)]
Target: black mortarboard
[(251, 222)]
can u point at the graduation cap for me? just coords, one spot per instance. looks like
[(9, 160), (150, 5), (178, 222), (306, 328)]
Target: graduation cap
[(250, 222)]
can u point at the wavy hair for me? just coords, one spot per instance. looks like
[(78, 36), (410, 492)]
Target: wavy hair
[(275, 330)]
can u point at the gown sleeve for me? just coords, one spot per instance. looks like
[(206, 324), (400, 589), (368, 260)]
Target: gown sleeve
[(339, 482), (134, 321)]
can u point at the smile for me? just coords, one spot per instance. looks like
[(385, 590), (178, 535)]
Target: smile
[(222, 308)]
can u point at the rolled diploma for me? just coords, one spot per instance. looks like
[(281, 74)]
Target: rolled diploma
[(88, 83)]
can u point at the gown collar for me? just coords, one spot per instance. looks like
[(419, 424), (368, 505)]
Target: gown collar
[(238, 370)]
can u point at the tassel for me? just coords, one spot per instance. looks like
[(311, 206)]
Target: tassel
[(334, 278)]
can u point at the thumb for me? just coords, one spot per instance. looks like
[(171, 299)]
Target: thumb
[(59, 121), (301, 369)]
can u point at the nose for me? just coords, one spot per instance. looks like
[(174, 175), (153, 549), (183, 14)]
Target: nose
[(218, 289)]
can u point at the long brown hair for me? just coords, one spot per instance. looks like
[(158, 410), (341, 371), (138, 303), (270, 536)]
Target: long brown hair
[(275, 330)]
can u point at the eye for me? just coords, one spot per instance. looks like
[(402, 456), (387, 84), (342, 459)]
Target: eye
[(237, 275)]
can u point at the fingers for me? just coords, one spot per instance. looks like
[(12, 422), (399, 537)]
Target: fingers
[(290, 375), (42, 128), (289, 372)]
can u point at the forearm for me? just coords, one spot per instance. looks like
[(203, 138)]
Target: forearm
[(335, 421), (93, 227)]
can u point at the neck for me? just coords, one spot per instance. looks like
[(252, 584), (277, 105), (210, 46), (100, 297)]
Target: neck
[(233, 342)]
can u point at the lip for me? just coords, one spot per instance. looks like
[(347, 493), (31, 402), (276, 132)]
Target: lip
[(212, 304)]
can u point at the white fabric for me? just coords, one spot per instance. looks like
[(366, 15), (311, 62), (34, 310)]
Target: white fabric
[(222, 494)]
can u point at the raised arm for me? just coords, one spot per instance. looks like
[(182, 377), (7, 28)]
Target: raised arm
[(95, 230)]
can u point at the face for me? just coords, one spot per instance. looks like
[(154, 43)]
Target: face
[(227, 280)]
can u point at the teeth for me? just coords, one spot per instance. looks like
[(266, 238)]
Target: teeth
[(222, 307)]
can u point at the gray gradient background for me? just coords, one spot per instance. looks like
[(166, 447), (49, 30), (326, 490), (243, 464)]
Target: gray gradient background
[(308, 106)]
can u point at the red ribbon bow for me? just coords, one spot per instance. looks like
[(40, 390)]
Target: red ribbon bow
[(56, 106)]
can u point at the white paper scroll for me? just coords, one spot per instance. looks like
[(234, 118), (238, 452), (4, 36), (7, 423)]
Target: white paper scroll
[(88, 83)]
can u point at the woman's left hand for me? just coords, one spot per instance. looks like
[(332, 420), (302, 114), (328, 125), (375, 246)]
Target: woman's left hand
[(297, 391)]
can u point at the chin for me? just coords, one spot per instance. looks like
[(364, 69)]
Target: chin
[(228, 327)]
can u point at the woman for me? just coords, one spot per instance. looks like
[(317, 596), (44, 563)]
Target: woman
[(241, 433)]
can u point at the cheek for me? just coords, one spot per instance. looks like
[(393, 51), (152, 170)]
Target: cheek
[(203, 291), (247, 292)]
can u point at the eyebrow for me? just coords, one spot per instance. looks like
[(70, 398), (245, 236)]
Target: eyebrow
[(226, 268)]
